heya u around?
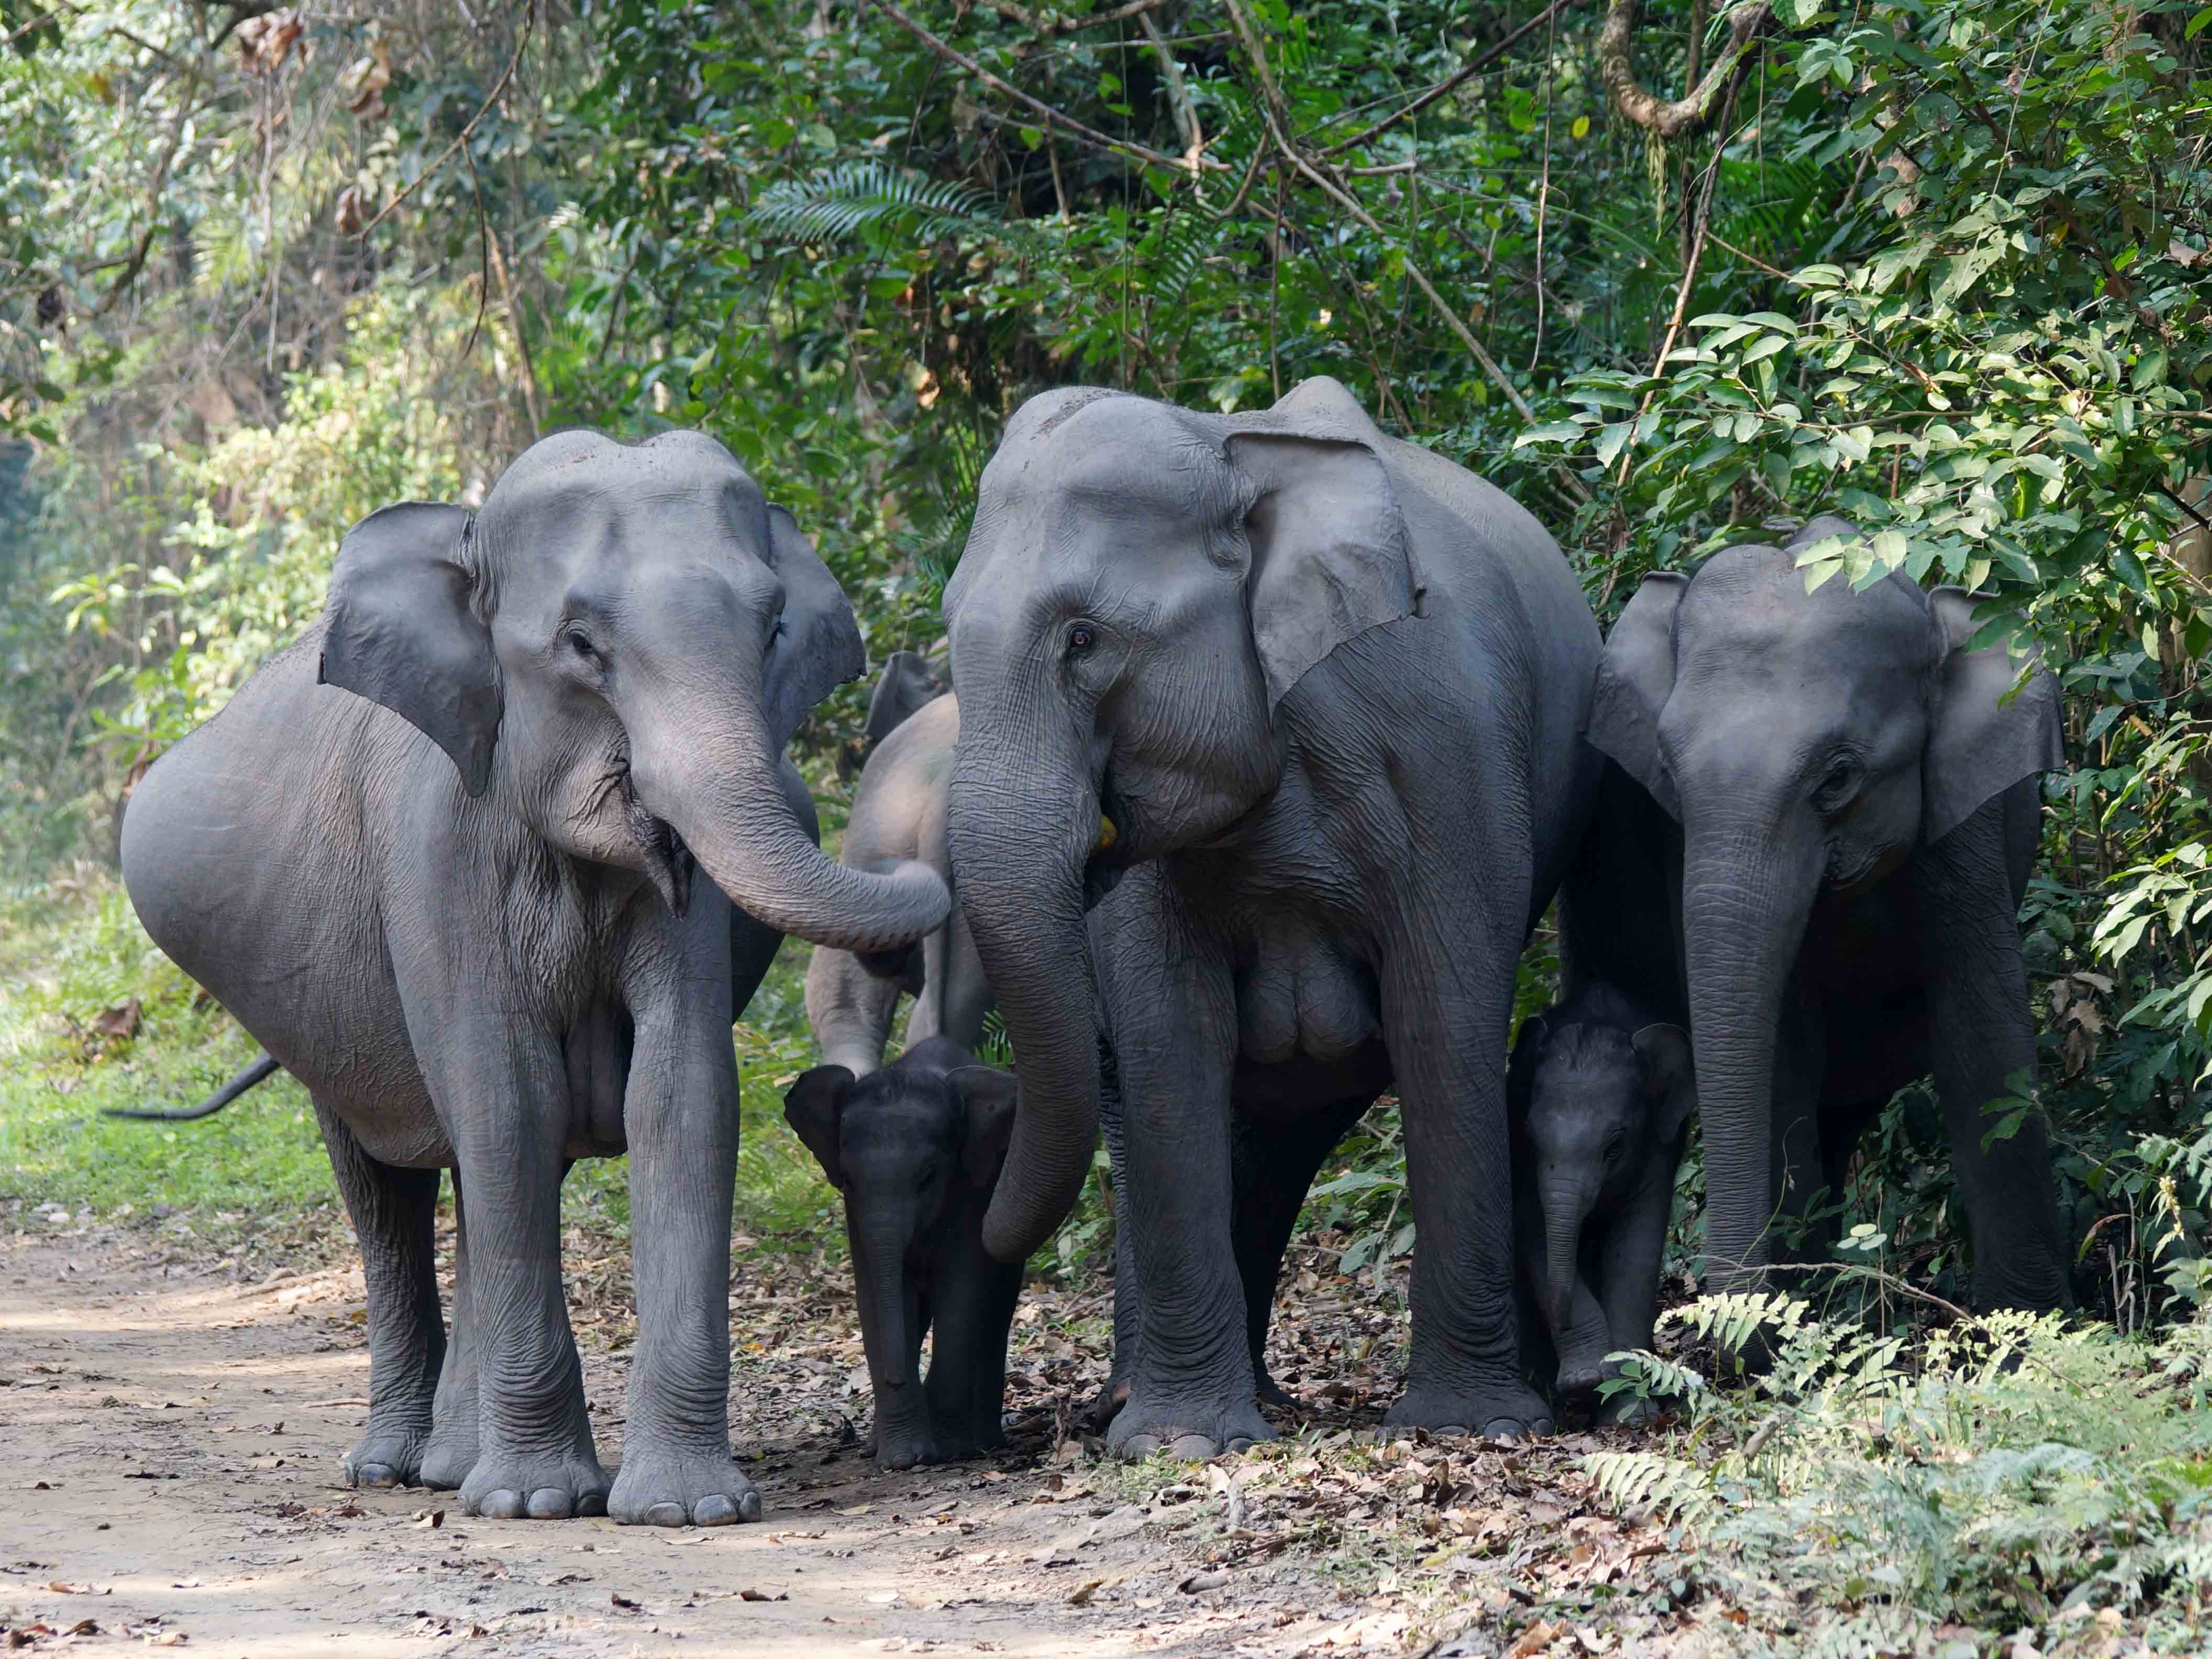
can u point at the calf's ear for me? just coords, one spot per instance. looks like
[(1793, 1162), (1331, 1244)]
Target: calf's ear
[(989, 1097), (812, 1107), (1672, 1076)]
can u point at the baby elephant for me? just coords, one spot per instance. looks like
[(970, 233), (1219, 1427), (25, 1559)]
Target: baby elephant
[(915, 1149), (1600, 1098)]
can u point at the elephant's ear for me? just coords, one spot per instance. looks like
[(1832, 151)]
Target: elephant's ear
[(907, 687), (989, 1097), (813, 1109), (403, 631), (1635, 677), (1981, 741), (1667, 1068), (818, 646), (1330, 557)]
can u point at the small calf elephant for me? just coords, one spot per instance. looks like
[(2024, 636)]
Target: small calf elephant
[(915, 1148), (898, 813), (1600, 1096)]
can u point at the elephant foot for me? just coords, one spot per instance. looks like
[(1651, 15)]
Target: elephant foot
[(516, 1486), (1111, 1399), (1271, 1394), (1505, 1411), (1189, 1429), (385, 1457), (907, 1451), (1578, 1379), (678, 1487), (448, 1457), (958, 1443)]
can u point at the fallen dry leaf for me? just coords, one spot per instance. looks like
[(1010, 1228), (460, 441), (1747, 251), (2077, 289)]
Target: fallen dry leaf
[(1534, 1639), (1081, 1597), (621, 1601), (430, 1518)]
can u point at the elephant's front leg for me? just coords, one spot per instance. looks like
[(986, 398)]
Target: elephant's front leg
[(534, 1453), (452, 1451), (1984, 1050), (1191, 1387), (1447, 1001), (680, 1114)]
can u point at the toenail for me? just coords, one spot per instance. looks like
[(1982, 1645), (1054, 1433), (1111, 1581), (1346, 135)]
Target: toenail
[(714, 1510), (550, 1504), (1196, 1447), (749, 1506), (1141, 1445), (501, 1506), (664, 1515), (593, 1503), (1240, 1442), (380, 1476)]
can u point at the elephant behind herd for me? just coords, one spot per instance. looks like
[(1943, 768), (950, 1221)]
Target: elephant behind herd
[(1267, 752)]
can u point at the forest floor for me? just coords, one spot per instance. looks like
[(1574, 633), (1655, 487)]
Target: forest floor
[(172, 1414)]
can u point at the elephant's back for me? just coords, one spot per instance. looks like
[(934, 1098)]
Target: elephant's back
[(898, 811), (1507, 546)]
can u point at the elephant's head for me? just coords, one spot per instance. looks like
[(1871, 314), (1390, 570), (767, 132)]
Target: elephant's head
[(900, 1145), (1595, 1107), (1808, 744), (1142, 587), (616, 649)]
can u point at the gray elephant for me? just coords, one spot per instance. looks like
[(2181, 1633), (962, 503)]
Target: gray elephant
[(1815, 859), (898, 813), (1600, 1095), (914, 1149), (1311, 696), (437, 856)]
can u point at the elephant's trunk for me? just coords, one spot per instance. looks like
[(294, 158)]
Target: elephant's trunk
[(1023, 822), (890, 1315), (1746, 892), (705, 767), (1567, 1201)]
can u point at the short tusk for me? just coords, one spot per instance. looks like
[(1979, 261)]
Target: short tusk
[(1106, 834)]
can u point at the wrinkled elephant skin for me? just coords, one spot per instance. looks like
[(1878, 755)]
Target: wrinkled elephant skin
[(914, 1149), (443, 857), (1290, 706), (1813, 854)]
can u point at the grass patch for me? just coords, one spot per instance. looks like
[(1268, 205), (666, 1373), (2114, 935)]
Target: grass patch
[(74, 952)]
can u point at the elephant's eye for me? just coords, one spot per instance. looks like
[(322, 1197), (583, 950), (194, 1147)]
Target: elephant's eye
[(926, 1179), (1613, 1143), (1835, 785), (580, 643), (1080, 639)]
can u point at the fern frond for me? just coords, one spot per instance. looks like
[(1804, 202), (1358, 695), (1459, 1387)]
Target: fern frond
[(1733, 1320), (856, 196), (1636, 1483)]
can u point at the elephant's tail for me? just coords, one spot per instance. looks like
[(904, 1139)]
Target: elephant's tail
[(259, 1073)]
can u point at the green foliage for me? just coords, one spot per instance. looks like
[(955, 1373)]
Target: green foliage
[(1999, 1473)]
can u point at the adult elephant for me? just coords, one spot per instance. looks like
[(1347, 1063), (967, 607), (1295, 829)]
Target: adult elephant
[(437, 857), (1815, 859), (1311, 694)]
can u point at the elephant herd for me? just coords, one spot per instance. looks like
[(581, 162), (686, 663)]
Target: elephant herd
[(1269, 740)]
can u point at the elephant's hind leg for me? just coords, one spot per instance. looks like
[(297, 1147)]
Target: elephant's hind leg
[(394, 1211), (452, 1451)]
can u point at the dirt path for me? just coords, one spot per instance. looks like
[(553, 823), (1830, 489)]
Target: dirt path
[(169, 1447)]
